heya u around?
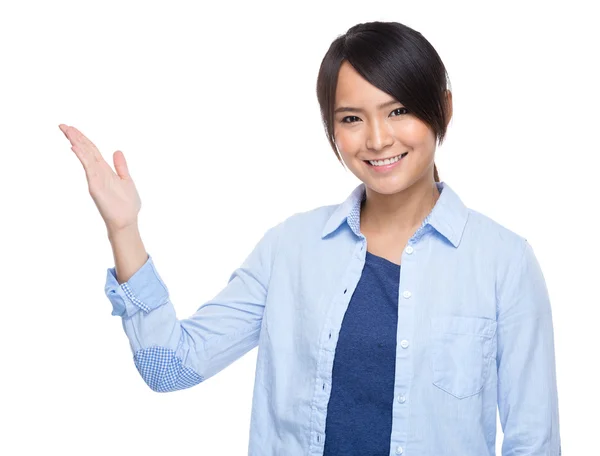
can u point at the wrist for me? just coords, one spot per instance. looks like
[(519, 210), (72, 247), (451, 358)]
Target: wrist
[(124, 231)]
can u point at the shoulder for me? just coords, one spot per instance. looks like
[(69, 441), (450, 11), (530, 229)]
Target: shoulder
[(308, 223), (520, 282), (489, 229), (495, 242)]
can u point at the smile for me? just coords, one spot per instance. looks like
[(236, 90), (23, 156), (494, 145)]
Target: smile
[(387, 161)]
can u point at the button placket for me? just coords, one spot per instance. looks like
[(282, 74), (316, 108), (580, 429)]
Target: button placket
[(406, 294)]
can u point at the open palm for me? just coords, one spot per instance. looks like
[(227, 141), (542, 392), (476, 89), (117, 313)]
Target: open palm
[(114, 194)]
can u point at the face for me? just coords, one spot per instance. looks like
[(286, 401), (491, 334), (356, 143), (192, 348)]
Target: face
[(369, 124)]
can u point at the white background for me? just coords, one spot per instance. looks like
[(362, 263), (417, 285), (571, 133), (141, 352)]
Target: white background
[(215, 109)]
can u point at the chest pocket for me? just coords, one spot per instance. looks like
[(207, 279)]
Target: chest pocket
[(462, 353)]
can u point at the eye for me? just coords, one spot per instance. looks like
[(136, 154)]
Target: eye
[(399, 111), (345, 119)]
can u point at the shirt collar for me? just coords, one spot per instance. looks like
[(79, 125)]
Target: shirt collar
[(448, 216)]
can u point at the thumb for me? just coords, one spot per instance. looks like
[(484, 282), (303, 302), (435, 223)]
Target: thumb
[(121, 165)]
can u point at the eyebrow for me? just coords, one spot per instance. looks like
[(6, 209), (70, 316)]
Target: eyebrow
[(351, 109)]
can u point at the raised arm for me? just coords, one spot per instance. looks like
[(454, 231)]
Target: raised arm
[(169, 353)]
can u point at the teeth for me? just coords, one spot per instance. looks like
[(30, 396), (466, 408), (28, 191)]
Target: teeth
[(387, 161)]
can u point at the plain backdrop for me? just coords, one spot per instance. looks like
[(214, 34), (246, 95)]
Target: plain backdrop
[(214, 107)]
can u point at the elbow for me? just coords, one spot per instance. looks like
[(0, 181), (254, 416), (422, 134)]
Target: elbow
[(159, 386), (163, 371)]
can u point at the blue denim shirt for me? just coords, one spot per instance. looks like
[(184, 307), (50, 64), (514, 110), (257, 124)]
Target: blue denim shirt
[(474, 318)]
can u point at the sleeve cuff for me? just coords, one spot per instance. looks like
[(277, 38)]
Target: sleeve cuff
[(144, 291)]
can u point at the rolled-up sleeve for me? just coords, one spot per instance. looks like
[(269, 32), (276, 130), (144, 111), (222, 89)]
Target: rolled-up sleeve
[(144, 291), (172, 354), (527, 386)]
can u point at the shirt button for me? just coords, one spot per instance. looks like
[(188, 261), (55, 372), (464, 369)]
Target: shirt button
[(399, 450), (401, 399), (404, 343), (407, 294), (409, 250)]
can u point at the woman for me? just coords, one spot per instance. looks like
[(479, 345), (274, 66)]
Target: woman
[(395, 322)]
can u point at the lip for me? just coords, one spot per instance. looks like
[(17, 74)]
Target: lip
[(386, 158), (385, 168)]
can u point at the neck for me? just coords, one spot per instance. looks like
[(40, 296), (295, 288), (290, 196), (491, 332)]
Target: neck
[(398, 213)]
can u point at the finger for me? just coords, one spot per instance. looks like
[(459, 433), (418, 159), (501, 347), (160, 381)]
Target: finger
[(80, 140), (83, 157), (121, 165), (86, 151)]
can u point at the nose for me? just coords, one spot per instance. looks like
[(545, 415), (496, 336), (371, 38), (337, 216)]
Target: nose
[(379, 136)]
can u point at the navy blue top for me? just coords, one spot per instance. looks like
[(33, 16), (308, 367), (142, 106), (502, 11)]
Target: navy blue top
[(359, 412)]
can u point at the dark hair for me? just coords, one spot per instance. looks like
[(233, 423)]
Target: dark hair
[(396, 59)]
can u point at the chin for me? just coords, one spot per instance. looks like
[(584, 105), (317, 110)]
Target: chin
[(388, 187)]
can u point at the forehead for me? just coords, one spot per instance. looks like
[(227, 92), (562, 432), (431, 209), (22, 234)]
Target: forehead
[(353, 89)]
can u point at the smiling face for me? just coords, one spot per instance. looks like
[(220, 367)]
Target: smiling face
[(369, 124)]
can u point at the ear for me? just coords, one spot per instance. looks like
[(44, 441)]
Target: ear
[(449, 102)]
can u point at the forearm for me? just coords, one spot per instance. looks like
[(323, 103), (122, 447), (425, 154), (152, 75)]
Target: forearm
[(173, 354), (128, 251)]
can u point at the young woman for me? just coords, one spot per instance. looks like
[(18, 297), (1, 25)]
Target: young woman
[(395, 322)]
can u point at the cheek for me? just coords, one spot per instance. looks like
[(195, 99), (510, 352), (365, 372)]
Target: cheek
[(346, 142), (415, 133)]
